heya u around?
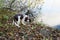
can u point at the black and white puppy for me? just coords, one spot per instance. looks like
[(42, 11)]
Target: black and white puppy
[(20, 18)]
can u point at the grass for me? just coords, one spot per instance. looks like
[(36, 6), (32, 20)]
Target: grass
[(32, 32)]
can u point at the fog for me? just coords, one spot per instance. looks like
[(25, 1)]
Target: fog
[(51, 12)]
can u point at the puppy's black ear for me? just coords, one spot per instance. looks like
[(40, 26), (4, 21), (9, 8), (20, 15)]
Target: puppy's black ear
[(27, 13), (29, 20)]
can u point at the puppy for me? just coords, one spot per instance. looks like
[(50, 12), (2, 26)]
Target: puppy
[(20, 18)]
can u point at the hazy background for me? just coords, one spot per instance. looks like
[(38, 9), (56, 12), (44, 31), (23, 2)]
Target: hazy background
[(51, 12)]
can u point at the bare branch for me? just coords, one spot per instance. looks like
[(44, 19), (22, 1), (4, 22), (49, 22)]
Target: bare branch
[(12, 3)]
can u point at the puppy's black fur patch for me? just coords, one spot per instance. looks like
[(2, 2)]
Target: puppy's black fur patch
[(16, 16), (29, 20), (26, 19)]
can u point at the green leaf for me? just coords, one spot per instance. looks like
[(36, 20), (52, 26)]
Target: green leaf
[(5, 17), (1, 33), (1, 24)]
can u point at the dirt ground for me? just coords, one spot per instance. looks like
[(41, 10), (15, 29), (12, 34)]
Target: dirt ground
[(31, 32)]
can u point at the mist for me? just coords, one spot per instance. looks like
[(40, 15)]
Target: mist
[(51, 12)]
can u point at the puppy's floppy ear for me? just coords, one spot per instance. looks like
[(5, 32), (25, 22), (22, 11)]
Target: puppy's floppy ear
[(27, 13), (30, 20)]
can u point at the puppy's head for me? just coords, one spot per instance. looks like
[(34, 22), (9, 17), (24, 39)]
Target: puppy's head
[(27, 19)]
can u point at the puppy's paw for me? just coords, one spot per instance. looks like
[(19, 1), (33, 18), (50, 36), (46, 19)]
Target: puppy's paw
[(23, 23), (18, 26)]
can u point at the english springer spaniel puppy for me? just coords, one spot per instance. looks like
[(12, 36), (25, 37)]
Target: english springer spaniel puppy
[(21, 18)]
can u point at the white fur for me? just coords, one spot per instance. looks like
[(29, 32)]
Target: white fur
[(23, 22), (18, 22)]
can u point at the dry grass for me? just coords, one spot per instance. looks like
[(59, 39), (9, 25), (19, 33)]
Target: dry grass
[(32, 32)]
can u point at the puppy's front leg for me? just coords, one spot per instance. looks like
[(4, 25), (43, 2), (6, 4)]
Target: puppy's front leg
[(18, 22), (23, 22), (14, 23)]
